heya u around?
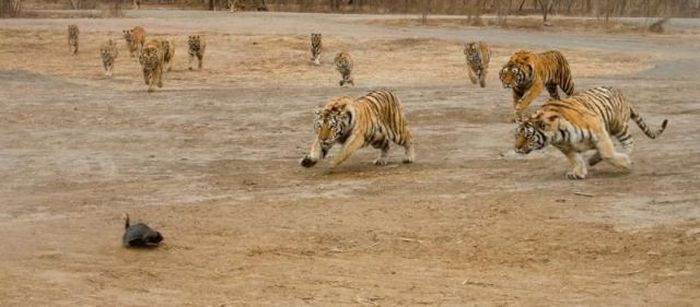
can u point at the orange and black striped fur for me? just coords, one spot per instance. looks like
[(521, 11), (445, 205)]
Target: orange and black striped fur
[(527, 73), (585, 121), (73, 33), (374, 119), (168, 48), (196, 45), (109, 53), (478, 56), (344, 64), (151, 60), (316, 48), (135, 39)]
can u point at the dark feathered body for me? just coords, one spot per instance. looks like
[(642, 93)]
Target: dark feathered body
[(139, 235)]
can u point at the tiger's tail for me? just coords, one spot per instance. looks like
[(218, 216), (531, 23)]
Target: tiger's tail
[(566, 82), (643, 125)]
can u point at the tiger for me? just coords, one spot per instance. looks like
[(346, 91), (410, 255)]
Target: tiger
[(581, 122), (73, 33), (373, 119), (151, 60), (197, 46), (344, 65), (109, 53), (135, 39), (478, 56), (527, 72), (316, 48), (168, 48)]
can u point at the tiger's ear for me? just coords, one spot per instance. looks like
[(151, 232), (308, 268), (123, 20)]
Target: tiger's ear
[(465, 49), (317, 111)]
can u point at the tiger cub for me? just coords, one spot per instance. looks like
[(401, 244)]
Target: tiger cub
[(374, 119), (196, 48), (168, 53), (478, 56), (109, 53), (581, 122), (527, 73), (344, 65), (316, 48), (135, 39), (73, 33), (151, 60)]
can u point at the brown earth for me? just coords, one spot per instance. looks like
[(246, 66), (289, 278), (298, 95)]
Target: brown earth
[(211, 160)]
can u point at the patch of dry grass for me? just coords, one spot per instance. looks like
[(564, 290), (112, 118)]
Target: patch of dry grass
[(280, 61)]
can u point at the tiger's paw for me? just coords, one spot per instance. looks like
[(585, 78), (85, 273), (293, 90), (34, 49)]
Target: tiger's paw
[(573, 175), (381, 162), (306, 161)]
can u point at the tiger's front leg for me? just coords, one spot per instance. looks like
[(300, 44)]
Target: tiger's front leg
[(482, 77), (316, 153), (200, 58), (471, 76), (527, 98), (354, 143), (578, 168)]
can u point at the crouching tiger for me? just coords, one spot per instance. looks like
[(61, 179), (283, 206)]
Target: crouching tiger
[(374, 119), (582, 122)]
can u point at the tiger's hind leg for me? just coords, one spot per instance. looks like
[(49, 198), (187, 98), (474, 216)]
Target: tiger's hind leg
[(383, 146), (606, 149), (625, 140), (553, 90)]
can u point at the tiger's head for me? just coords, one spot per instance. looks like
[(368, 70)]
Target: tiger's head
[(128, 34), (332, 124), (194, 42), (519, 70), (536, 132), (315, 37), (333, 121), (150, 57), (473, 52)]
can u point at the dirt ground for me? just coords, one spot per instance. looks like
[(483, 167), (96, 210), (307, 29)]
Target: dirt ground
[(211, 160)]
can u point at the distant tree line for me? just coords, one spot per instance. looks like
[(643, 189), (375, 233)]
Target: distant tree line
[(471, 8)]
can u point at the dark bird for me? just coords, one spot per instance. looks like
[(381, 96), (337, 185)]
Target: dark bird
[(139, 235)]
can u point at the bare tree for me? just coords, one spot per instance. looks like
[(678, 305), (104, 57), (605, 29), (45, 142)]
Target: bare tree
[(10, 8)]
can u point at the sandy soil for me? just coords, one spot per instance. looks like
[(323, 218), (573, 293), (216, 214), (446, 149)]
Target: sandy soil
[(211, 160)]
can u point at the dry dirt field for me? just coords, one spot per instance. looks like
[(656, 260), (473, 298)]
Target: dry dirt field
[(211, 160)]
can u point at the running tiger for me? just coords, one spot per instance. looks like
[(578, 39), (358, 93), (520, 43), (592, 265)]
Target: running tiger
[(197, 45), (478, 56), (344, 65), (109, 53), (527, 73), (73, 33), (168, 53), (151, 60), (135, 39), (582, 122), (316, 48), (374, 119)]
